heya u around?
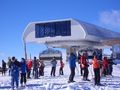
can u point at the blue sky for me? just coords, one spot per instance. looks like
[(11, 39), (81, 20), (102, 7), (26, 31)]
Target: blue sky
[(16, 14)]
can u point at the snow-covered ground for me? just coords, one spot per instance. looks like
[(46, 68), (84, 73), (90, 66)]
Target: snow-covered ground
[(60, 82)]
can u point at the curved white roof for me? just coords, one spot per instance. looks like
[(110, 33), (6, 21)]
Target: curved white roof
[(82, 34)]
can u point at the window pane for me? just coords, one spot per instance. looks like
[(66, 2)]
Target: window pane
[(58, 28), (52, 32), (52, 29), (47, 29)]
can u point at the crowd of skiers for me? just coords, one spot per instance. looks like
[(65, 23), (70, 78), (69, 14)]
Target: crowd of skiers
[(101, 67), (25, 69)]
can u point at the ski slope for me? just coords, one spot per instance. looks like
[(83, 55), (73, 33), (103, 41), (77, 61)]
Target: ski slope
[(60, 82)]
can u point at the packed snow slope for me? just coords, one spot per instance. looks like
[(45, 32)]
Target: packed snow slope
[(59, 82)]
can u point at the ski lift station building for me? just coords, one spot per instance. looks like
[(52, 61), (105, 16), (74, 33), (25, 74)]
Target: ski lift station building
[(67, 33)]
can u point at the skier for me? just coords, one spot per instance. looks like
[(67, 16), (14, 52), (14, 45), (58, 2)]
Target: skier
[(72, 65), (54, 63), (23, 70), (96, 69), (110, 66), (79, 61), (29, 66), (85, 66), (3, 67), (35, 68), (9, 65), (61, 67), (41, 68), (15, 72), (105, 66)]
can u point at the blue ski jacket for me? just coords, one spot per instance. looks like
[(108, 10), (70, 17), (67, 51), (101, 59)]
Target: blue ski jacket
[(72, 60)]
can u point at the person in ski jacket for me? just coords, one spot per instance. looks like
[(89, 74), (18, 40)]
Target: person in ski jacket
[(96, 69), (110, 66), (35, 67), (15, 66), (29, 67), (9, 64), (72, 64), (53, 63), (84, 65), (81, 68), (3, 67), (105, 66), (23, 70), (41, 68), (61, 67)]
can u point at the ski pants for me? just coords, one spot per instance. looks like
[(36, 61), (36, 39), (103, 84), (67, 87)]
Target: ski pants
[(53, 71), (23, 78), (72, 74), (28, 73), (86, 72), (97, 75), (61, 71), (14, 80)]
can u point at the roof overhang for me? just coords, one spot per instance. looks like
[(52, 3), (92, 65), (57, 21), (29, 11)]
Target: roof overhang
[(82, 34)]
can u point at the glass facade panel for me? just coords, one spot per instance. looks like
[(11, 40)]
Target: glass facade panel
[(52, 29), (47, 29)]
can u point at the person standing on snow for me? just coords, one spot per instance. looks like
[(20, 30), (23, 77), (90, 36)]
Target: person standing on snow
[(41, 68), (53, 63), (14, 72), (3, 67), (79, 62), (9, 64), (72, 65), (23, 70), (35, 67), (110, 66), (84, 65), (61, 67), (96, 69), (29, 67), (105, 66)]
